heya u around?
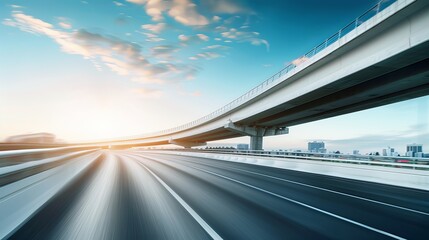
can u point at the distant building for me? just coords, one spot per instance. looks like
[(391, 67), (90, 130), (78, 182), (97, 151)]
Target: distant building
[(389, 152), (242, 146), (32, 138), (413, 149), (316, 146), (422, 155), (355, 152)]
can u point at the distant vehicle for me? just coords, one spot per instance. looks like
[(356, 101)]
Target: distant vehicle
[(403, 161)]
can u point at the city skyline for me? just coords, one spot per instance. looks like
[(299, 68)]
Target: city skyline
[(402, 150), (87, 84)]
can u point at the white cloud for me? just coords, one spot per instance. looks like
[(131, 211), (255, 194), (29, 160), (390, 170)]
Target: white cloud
[(203, 37), (234, 34), (183, 38), (32, 25), (221, 29), (183, 11), (243, 36), (65, 25), (258, 41), (217, 47), (193, 38), (206, 56), (122, 57), (150, 37), (119, 4), (8, 22), (164, 51), (216, 18), (156, 28), (227, 6), (154, 8)]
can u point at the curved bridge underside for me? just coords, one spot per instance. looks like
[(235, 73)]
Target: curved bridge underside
[(384, 60)]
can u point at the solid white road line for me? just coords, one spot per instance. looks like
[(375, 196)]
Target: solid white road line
[(332, 191), (303, 204), (191, 211), (327, 190)]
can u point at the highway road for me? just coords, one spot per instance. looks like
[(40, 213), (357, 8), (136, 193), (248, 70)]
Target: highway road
[(104, 194)]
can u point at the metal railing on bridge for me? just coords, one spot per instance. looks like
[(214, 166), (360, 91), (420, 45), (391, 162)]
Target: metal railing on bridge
[(386, 161)]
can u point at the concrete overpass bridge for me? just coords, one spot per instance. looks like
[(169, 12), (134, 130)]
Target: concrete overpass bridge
[(380, 58)]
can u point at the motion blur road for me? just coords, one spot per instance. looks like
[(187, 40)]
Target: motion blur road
[(103, 194)]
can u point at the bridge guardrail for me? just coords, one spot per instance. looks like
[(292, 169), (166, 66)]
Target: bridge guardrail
[(12, 157), (386, 161)]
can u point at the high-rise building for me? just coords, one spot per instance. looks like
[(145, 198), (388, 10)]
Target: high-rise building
[(316, 146), (389, 152), (409, 154), (413, 149)]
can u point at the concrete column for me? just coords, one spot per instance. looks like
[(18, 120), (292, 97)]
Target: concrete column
[(256, 142), (255, 133)]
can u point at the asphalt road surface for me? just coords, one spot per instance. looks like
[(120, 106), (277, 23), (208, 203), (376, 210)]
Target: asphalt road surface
[(106, 194)]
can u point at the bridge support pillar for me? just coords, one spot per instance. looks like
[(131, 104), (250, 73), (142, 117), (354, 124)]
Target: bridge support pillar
[(256, 142), (256, 133)]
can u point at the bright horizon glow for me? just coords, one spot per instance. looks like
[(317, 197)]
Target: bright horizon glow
[(91, 70)]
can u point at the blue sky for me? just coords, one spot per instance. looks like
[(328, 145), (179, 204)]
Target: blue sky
[(99, 69)]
